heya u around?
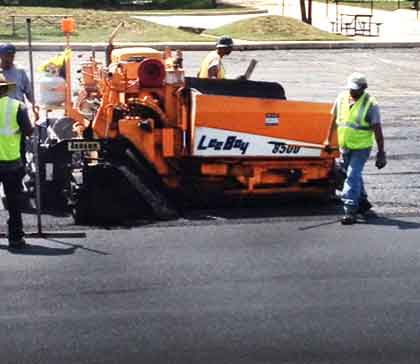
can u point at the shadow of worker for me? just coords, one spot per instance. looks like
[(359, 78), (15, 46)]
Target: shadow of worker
[(32, 249), (387, 221)]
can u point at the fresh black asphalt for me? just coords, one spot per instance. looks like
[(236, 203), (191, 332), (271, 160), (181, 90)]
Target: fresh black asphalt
[(285, 284)]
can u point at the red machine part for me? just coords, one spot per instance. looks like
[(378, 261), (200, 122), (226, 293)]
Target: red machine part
[(151, 73)]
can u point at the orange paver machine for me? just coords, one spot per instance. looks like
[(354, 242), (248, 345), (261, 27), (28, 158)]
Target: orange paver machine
[(151, 140)]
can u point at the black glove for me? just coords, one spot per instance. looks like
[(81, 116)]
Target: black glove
[(380, 160), (328, 148)]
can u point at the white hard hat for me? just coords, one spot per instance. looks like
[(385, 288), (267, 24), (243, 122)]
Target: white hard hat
[(356, 81)]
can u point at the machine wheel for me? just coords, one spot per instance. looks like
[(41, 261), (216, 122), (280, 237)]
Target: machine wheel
[(107, 198)]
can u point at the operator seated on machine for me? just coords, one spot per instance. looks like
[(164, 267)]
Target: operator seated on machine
[(212, 66)]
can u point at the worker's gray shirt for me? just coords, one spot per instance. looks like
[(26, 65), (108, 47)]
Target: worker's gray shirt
[(23, 85)]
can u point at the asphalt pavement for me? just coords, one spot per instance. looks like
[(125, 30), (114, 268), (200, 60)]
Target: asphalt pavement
[(393, 79), (281, 284), (307, 292)]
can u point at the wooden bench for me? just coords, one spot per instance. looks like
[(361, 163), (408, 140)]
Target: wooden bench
[(347, 24), (358, 24), (334, 26)]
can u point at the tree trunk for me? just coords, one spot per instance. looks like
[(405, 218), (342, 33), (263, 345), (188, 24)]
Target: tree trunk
[(214, 3), (303, 11), (309, 12)]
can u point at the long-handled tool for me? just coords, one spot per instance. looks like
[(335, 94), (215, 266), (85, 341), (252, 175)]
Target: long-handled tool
[(110, 46), (250, 69), (40, 233)]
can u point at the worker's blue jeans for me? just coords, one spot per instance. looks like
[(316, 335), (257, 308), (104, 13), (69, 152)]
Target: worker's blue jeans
[(353, 162)]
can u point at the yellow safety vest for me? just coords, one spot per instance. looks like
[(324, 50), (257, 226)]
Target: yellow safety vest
[(210, 58), (354, 132), (10, 134)]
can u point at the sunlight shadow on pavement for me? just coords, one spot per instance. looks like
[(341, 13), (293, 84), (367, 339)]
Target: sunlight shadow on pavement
[(78, 246), (325, 223), (387, 221), (33, 249)]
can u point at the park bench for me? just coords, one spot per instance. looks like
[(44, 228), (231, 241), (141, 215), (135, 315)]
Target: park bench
[(359, 24)]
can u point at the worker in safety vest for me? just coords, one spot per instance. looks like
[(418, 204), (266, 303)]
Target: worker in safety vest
[(357, 119), (14, 123), (212, 66), (18, 76)]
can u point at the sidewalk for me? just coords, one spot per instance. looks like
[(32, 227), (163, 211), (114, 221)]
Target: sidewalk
[(397, 26)]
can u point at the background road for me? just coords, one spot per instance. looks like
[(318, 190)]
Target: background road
[(286, 284)]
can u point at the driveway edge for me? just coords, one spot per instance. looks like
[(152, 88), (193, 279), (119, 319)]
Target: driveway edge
[(205, 46)]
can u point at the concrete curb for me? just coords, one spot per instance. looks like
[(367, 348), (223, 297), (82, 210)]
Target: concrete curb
[(204, 13), (205, 46)]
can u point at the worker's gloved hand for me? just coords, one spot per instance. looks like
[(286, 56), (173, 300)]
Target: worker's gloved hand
[(380, 160), (327, 148), (35, 110)]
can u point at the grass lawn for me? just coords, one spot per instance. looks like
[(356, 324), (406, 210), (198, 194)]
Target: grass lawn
[(91, 26), (220, 10), (266, 28), (96, 26), (390, 5), (179, 4)]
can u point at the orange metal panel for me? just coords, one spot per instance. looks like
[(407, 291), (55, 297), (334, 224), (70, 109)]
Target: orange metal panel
[(168, 142), (301, 121), (146, 142), (285, 191)]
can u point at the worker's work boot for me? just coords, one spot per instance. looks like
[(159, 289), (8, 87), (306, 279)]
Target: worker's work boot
[(17, 244), (364, 207), (348, 219)]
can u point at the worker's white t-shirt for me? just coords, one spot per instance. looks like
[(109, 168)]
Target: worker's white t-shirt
[(211, 60)]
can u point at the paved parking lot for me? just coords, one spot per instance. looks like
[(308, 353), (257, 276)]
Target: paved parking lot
[(283, 285), (319, 75)]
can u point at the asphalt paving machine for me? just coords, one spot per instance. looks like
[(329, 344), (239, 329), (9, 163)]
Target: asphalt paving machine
[(142, 140)]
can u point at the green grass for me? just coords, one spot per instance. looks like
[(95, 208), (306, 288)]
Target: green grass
[(221, 10), (390, 5), (274, 28), (91, 26), (96, 26), (117, 4), (178, 4)]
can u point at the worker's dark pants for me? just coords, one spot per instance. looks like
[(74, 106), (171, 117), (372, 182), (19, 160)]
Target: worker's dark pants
[(12, 185)]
